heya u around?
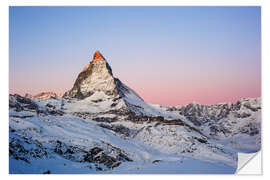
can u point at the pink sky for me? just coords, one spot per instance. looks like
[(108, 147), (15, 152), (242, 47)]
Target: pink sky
[(168, 55)]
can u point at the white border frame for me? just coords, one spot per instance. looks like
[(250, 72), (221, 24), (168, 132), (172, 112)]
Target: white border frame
[(4, 36)]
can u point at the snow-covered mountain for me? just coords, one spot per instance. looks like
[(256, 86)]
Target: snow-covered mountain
[(103, 126), (97, 81), (43, 95), (237, 125)]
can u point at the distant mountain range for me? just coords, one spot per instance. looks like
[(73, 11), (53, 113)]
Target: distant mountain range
[(44, 95), (103, 126)]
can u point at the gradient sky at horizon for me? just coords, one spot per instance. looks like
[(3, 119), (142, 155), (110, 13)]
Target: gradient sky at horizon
[(168, 55)]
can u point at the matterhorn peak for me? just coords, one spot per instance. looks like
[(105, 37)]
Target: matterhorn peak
[(98, 57), (96, 76)]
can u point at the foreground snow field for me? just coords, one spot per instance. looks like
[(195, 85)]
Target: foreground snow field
[(63, 166), (50, 136)]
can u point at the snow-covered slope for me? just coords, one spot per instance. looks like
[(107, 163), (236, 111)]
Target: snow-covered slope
[(103, 126), (50, 130), (82, 136)]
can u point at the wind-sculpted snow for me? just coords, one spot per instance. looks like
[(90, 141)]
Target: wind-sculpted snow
[(101, 140)]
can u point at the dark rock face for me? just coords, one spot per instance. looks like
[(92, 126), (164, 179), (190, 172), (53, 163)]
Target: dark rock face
[(120, 129), (53, 111), (121, 88), (250, 129), (156, 161), (18, 150), (75, 92), (22, 117), (20, 103), (241, 115), (105, 119), (95, 155), (215, 129), (47, 172), (200, 140), (87, 115)]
